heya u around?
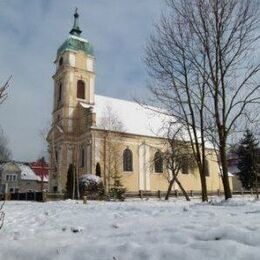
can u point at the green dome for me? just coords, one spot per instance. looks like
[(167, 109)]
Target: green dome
[(76, 44)]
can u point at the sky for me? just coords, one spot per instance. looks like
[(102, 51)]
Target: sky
[(31, 32)]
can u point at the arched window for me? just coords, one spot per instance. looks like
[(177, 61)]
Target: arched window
[(81, 89), (60, 92), (82, 157), (206, 168), (158, 162), (127, 160), (98, 170), (184, 167)]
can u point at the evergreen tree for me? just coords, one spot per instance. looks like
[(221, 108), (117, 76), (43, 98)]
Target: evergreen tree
[(117, 191), (247, 153), (72, 183)]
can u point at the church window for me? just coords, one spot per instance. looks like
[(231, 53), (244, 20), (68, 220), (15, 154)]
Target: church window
[(98, 170), (82, 157), (81, 89), (60, 92), (158, 162), (127, 160), (56, 156), (206, 168), (184, 167)]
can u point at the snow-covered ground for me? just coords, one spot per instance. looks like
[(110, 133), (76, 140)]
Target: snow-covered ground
[(131, 230)]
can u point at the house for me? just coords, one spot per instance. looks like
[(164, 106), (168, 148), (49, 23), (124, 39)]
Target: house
[(19, 177), (41, 169), (106, 136)]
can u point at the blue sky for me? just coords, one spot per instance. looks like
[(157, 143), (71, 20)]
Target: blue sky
[(32, 30)]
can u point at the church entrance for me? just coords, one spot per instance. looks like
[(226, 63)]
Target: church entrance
[(98, 170)]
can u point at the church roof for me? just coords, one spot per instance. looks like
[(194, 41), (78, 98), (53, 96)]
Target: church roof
[(135, 118), (76, 43)]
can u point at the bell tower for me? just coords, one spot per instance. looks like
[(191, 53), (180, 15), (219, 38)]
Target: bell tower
[(74, 80), (74, 88)]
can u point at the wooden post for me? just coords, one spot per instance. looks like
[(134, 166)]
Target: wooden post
[(191, 193), (141, 194), (84, 199), (218, 192), (44, 197), (159, 194), (176, 193)]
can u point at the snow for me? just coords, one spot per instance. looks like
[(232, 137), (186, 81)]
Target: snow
[(135, 118), (27, 173), (87, 178), (77, 38), (134, 229)]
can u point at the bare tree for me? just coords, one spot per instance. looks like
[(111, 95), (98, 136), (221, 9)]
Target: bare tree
[(113, 131), (201, 58), (178, 89), (5, 153), (3, 90), (177, 157), (2, 215)]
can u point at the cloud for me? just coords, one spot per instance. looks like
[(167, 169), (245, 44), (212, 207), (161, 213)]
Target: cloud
[(31, 32)]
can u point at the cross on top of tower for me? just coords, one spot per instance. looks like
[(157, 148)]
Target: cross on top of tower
[(75, 29)]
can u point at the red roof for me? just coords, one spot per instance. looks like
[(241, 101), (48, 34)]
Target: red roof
[(41, 168)]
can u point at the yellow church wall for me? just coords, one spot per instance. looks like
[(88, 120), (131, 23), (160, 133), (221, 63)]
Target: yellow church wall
[(158, 181)]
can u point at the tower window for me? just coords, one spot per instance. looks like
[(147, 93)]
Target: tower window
[(81, 89), (127, 160), (60, 61), (60, 92)]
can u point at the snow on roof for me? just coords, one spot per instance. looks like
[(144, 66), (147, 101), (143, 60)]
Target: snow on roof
[(78, 38), (233, 169), (27, 173), (229, 173), (135, 118)]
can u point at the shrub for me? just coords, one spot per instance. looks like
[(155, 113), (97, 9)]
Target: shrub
[(118, 191), (91, 186)]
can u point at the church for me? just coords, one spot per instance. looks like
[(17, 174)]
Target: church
[(105, 136)]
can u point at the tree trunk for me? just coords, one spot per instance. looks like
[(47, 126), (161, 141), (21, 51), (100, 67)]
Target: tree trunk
[(169, 188), (183, 190), (225, 180), (204, 191)]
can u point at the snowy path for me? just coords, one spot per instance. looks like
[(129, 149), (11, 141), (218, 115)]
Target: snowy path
[(131, 230)]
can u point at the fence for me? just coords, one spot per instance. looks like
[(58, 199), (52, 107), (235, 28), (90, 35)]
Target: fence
[(29, 196), (176, 193)]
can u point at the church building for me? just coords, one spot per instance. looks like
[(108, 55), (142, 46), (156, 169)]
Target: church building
[(105, 136)]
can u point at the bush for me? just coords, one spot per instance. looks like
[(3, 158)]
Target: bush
[(118, 191), (91, 186)]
